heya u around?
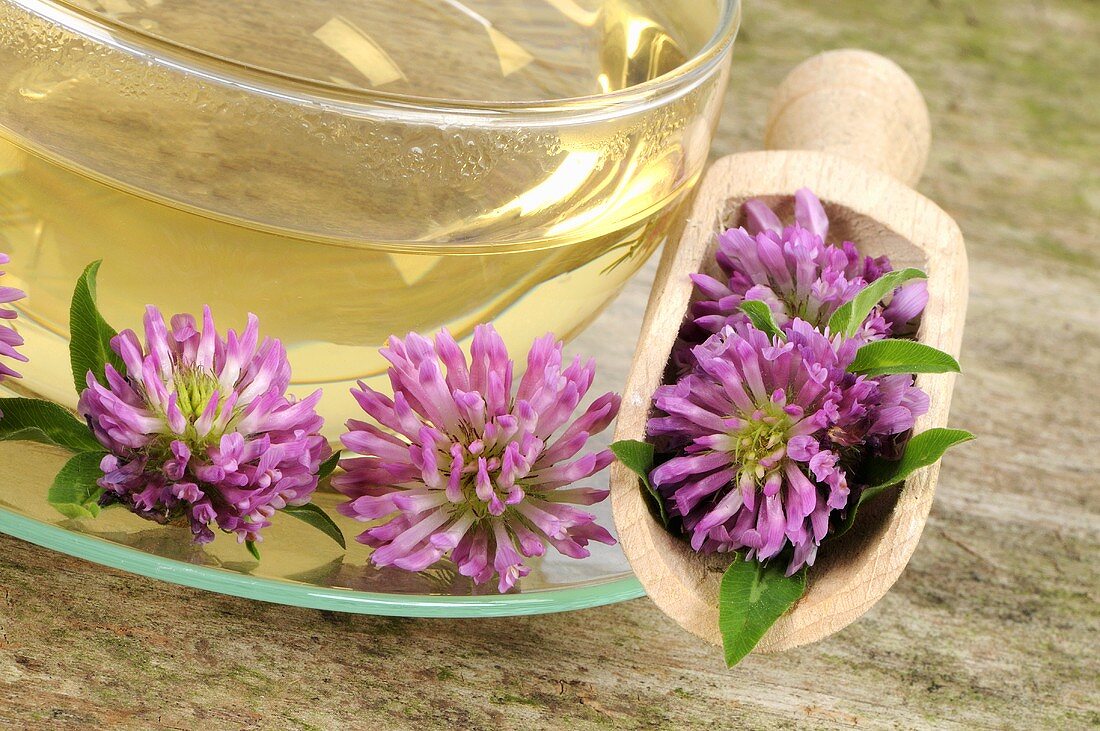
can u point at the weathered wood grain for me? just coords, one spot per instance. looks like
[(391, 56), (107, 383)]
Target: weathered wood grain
[(992, 625)]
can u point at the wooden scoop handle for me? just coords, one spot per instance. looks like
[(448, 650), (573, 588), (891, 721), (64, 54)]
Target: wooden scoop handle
[(856, 104)]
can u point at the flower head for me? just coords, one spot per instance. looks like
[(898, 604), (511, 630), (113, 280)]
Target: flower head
[(9, 338), (797, 274), (764, 436), (461, 461), (201, 428)]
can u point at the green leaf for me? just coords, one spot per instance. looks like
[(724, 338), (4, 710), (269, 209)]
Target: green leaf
[(638, 456), (89, 334), (850, 316), (45, 422), (74, 492), (251, 546), (329, 465), (762, 318), (883, 357), (314, 516), (923, 450), (751, 598)]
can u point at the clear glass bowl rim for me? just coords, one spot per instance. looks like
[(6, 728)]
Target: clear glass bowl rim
[(309, 596), (190, 60)]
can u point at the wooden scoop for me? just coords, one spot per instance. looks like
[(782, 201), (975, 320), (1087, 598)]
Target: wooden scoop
[(852, 127)]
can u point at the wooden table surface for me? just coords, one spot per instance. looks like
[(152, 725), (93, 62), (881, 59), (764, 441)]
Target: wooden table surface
[(996, 622)]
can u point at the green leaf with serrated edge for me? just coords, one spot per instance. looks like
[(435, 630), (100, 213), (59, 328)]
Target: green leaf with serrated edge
[(922, 450), (34, 420), (762, 318), (329, 465), (885, 357), (318, 518), (849, 316), (89, 334), (638, 456), (74, 492), (751, 597), (251, 546)]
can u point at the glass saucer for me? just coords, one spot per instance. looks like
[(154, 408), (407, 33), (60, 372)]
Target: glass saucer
[(301, 566)]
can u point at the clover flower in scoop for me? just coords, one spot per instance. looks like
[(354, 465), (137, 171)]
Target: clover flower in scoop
[(798, 275), (9, 338), (200, 427), (764, 435), (463, 462)]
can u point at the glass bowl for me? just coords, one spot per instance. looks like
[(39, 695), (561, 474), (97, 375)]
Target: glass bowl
[(345, 170)]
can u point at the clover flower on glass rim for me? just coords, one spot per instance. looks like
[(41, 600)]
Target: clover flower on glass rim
[(764, 434), (798, 275), (200, 427), (463, 463), (10, 340)]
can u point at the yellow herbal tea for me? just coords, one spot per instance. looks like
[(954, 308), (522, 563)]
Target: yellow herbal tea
[(314, 163)]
